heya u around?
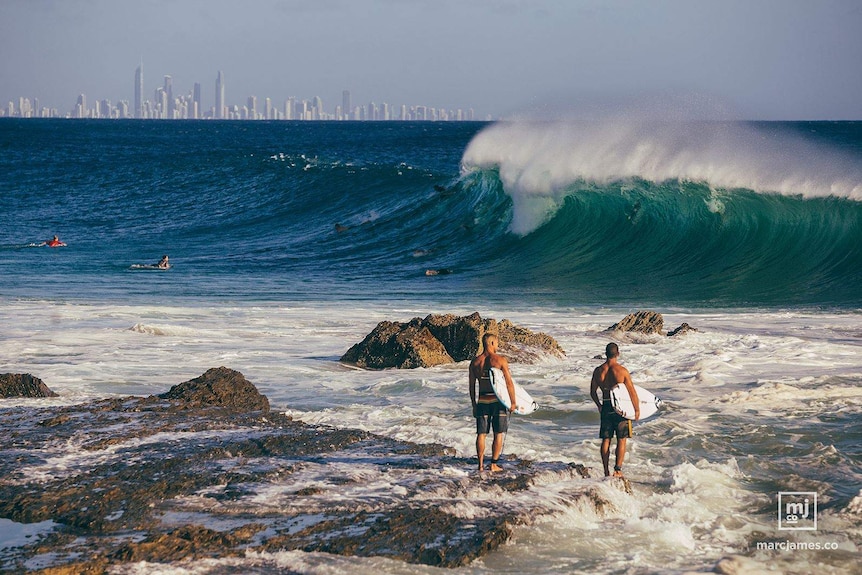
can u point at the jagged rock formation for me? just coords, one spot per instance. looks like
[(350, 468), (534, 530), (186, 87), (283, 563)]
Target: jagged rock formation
[(23, 385), (648, 322), (439, 339)]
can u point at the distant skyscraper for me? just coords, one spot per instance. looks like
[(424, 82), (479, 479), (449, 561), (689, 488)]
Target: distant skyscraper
[(220, 106), (197, 99), (139, 91), (169, 94), (81, 108), (346, 107)]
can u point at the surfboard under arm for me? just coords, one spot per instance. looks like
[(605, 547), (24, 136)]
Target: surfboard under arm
[(525, 403)]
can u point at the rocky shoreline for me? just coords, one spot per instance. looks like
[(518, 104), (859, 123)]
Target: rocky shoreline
[(179, 477), (207, 471)]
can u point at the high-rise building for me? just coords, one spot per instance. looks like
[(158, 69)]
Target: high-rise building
[(197, 101), (139, 91), (252, 107), (169, 94), (220, 105), (346, 107), (161, 99)]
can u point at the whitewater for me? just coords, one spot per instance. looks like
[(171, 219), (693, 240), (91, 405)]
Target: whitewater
[(756, 247)]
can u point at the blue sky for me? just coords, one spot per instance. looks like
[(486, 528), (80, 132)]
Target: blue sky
[(757, 59)]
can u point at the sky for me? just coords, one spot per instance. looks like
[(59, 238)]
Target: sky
[(752, 59)]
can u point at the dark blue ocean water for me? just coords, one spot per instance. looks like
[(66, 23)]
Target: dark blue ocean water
[(284, 210), (290, 241)]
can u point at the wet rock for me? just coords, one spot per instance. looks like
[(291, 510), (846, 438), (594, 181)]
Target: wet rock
[(219, 387), (23, 385), (646, 322), (681, 330), (142, 481), (394, 344), (446, 338)]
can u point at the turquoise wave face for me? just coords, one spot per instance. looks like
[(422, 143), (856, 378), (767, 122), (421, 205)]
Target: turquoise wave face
[(621, 209), (366, 210), (681, 242)]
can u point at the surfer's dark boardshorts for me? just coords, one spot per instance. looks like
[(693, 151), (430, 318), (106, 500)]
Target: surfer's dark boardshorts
[(491, 415), (614, 423)]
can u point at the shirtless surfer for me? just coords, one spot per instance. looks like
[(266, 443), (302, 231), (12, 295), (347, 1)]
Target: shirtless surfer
[(487, 409), (605, 377), (164, 263)]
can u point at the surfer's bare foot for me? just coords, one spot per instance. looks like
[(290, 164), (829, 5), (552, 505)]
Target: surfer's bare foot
[(495, 467), (618, 471)]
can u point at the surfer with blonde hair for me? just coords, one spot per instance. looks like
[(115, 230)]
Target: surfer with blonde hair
[(487, 409), (605, 377)]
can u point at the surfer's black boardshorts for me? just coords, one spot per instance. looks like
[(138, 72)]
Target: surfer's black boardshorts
[(614, 423), (490, 415)]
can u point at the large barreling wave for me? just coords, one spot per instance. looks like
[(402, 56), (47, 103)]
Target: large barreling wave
[(709, 212)]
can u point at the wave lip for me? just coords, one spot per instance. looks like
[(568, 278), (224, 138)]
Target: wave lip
[(538, 162)]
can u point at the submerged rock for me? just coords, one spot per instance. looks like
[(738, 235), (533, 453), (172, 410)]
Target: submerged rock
[(129, 480), (681, 330), (23, 385), (445, 338)]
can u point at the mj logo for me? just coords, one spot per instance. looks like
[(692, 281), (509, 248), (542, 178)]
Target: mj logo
[(797, 510)]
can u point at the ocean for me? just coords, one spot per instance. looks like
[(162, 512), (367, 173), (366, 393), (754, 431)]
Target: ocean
[(290, 241)]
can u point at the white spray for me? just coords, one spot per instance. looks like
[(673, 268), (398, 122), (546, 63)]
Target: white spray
[(538, 161)]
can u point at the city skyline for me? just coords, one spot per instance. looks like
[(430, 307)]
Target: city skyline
[(189, 106), (764, 60)]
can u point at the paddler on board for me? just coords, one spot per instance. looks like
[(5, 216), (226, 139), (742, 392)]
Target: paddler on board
[(487, 409), (605, 377), (53, 243)]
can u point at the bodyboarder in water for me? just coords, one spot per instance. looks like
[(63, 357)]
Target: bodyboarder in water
[(605, 377), (487, 409)]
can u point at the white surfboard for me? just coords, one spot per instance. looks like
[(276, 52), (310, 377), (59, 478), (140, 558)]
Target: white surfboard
[(526, 405), (147, 267), (623, 404)]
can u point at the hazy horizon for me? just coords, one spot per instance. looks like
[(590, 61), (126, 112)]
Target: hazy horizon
[(764, 60)]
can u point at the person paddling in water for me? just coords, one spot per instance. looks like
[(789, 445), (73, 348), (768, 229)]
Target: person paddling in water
[(54, 243), (164, 263), (605, 377), (487, 409)]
